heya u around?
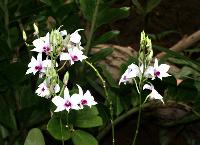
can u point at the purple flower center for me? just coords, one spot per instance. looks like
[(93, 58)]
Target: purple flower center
[(38, 67), (84, 102), (46, 49), (67, 104), (43, 89), (74, 58), (156, 73)]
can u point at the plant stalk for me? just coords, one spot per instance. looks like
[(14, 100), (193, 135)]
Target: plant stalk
[(108, 99), (138, 120), (93, 23)]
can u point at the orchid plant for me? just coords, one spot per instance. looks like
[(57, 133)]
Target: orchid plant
[(142, 73), (59, 46), (54, 51)]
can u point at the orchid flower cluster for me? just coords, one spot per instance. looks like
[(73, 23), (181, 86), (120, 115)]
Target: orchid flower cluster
[(144, 71), (58, 45)]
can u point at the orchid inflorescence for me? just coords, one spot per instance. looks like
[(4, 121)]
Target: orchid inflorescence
[(144, 70), (58, 45)]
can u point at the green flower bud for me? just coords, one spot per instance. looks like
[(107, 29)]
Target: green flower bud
[(35, 29), (66, 78), (24, 35), (56, 40), (146, 51)]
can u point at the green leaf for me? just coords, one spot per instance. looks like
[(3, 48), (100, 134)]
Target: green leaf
[(58, 130), (109, 77), (194, 64), (186, 91), (117, 103), (107, 36), (170, 84), (138, 6), (8, 120), (34, 137), (100, 55), (55, 5), (87, 7), (151, 4), (83, 138), (96, 86), (164, 137), (88, 117), (48, 2), (108, 14)]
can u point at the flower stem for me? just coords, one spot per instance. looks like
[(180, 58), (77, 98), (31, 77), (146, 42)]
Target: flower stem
[(139, 90), (108, 99), (120, 119), (94, 17), (138, 120), (62, 66)]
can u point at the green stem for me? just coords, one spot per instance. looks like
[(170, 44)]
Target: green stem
[(62, 66), (108, 99), (139, 90), (6, 17), (121, 119), (94, 17), (138, 121), (62, 90)]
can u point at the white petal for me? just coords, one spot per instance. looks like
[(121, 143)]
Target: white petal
[(30, 70), (39, 44), (89, 98), (59, 102), (65, 56), (82, 57), (147, 86), (57, 88), (33, 61), (149, 72), (66, 94), (37, 49), (155, 95), (164, 68), (75, 100), (155, 63), (80, 90), (63, 33), (46, 63), (39, 57), (75, 37)]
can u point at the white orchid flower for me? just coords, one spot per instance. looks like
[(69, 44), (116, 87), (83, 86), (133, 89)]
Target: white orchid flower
[(159, 71), (43, 90), (85, 99), (131, 72), (74, 54), (37, 65), (42, 44), (154, 94), (75, 37), (66, 103)]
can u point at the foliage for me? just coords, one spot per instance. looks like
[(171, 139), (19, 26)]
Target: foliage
[(21, 110)]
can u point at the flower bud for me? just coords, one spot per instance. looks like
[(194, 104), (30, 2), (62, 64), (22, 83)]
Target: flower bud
[(35, 29), (56, 40), (145, 52), (24, 35), (66, 78)]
